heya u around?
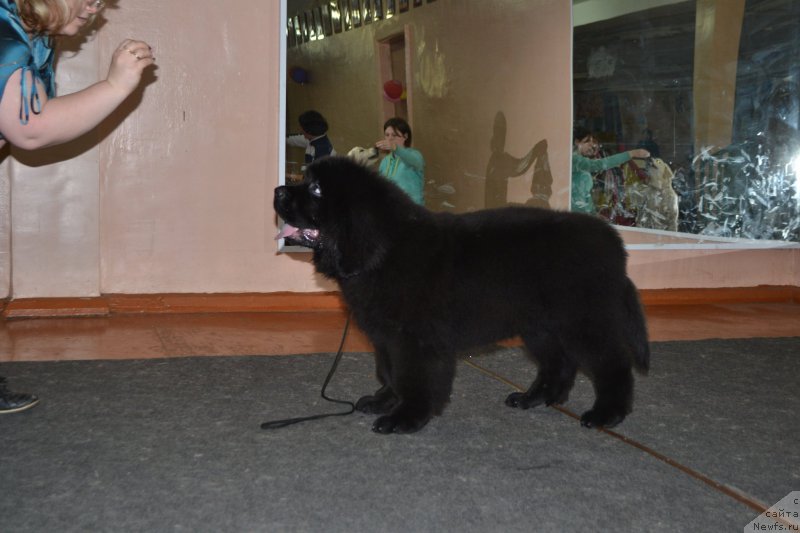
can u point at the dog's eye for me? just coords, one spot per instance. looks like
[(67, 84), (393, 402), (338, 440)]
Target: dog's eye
[(315, 190)]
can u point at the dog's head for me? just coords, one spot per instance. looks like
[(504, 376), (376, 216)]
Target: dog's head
[(345, 212), (368, 157), (658, 174)]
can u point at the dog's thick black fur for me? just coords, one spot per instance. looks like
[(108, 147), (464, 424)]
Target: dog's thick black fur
[(424, 286)]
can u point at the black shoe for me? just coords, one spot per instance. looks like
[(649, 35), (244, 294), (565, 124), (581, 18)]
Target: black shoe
[(14, 402)]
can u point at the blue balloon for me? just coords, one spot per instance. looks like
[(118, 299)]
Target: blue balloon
[(299, 75)]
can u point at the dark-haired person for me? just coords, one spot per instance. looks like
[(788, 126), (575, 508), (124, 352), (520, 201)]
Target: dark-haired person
[(314, 136), (403, 165), (584, 167), (31, 116)]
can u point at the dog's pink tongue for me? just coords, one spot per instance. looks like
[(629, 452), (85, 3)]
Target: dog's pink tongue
[(286, 231)]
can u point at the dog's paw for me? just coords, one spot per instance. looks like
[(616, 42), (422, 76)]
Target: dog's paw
[(375, 405), (523, 400), (540, 395), (399, 423), (597, 418)]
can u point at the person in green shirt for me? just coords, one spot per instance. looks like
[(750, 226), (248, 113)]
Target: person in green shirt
[(584, 167), (403, 165)]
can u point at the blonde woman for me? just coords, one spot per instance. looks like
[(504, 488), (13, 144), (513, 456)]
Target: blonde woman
[(31, 115)]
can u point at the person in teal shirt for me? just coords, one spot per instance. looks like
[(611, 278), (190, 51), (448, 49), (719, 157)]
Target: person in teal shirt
[(403, 165), (584, 167), (32, 116)]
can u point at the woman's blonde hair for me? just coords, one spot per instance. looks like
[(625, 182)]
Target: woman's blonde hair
[(45, 16)]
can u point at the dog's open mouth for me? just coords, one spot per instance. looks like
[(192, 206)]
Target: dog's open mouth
[(305, 237)]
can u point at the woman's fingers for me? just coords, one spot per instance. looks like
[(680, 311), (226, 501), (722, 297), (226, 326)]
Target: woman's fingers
[(127, 64), (140, 50)]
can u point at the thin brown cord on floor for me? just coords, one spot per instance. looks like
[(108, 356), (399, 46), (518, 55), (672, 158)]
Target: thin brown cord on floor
[(275, 424)]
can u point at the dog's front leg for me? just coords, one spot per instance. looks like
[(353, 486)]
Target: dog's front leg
[(422, 380), (405, 418), (384, 399)]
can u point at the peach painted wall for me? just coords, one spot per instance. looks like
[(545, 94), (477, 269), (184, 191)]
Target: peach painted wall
[(173, 194), (188, 176)]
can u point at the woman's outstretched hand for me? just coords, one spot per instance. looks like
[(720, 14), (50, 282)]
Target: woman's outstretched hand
[(127, 64)]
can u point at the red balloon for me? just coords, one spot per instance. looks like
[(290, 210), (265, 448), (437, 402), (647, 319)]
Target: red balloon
[(393, 90)]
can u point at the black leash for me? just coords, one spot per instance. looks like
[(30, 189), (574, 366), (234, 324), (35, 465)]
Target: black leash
[(275, 424)]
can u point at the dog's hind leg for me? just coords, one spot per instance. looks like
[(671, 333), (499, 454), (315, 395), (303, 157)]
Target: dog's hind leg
[(609, 369), (555, 377), (423, 382), (614, 396)]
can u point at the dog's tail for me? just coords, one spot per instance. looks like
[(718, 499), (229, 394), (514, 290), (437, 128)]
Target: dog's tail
[(637, 329)]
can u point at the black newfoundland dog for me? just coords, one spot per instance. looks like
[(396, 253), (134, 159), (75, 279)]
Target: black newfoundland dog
[(424, 286)]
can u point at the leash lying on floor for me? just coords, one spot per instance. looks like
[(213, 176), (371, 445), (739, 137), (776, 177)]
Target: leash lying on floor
[(275, 424)]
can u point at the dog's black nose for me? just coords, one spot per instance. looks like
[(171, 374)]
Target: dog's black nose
[(280, 192)]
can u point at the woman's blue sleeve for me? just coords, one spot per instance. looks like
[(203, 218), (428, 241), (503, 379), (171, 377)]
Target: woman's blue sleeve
[(19, 52), (14, 54)]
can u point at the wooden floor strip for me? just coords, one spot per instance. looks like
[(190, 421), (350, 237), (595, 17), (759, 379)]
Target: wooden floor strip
[(328, 301), (720, 487)]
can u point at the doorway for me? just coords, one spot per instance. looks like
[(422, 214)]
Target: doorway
[(394, 67)]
